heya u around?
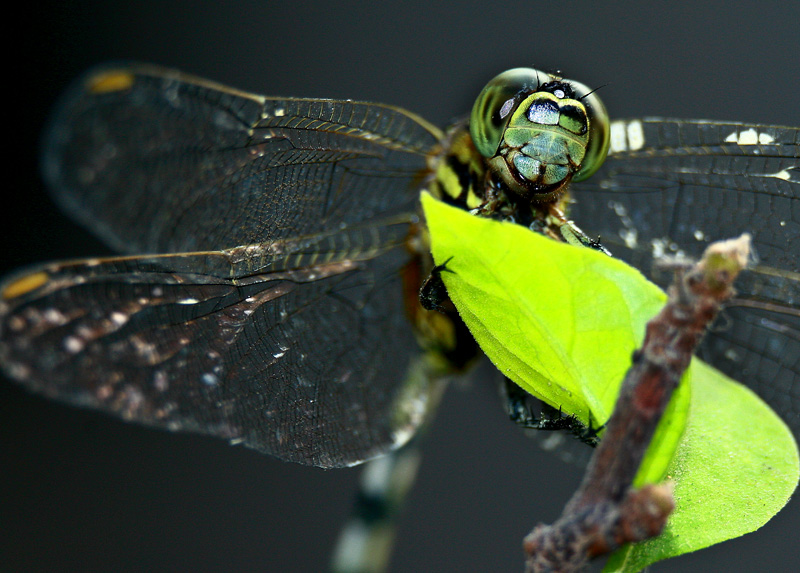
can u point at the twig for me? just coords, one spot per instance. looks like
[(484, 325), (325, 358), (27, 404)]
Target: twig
[(606, 512)]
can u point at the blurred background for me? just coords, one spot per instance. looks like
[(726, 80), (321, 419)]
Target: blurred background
[(83, 492)]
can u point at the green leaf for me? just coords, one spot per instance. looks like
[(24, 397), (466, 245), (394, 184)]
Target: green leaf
[(736, 467), (562, 322)]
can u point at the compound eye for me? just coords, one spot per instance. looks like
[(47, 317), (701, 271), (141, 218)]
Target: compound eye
[(599, 130), (496, 104)]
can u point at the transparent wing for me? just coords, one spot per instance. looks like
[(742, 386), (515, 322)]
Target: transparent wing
[(309, 363), (276, 316), (679, 184), (156, 161)]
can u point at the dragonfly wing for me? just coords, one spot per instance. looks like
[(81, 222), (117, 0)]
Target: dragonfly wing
[(309, 363), (157, 161), (276, 316), (673, 186)]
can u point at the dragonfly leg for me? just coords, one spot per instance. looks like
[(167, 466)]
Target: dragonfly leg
[(433, 293), (571, 233), (521, 412)]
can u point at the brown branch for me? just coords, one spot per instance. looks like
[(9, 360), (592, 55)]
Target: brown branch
[(606, 512)]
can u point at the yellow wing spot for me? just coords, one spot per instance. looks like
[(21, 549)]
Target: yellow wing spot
[(25, 285), (111, 81)]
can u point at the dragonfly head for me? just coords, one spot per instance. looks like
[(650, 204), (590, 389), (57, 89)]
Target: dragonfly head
[(539, 131)]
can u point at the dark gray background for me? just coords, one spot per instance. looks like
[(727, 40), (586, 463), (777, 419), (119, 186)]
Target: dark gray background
[(83, 492)]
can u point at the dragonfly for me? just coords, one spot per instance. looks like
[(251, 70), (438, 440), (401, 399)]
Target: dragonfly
[(272, 249)]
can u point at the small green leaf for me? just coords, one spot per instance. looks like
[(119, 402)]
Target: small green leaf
[(560, 321), (563, 321), (736, 467)]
